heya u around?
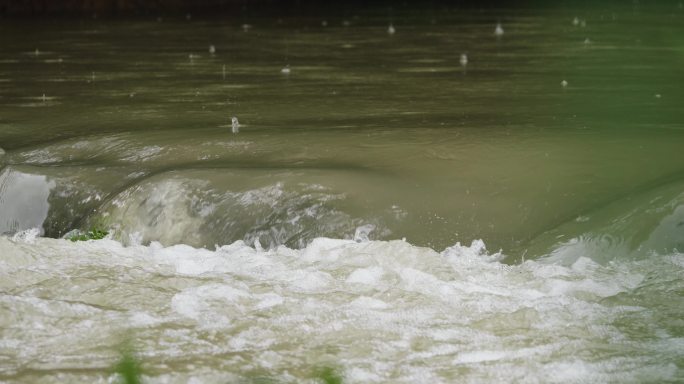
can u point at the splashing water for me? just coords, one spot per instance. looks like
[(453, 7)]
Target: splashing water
[(235, 124), (498, 31)]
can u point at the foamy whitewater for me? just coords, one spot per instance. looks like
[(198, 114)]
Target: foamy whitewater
[(257, 194), (377, 311)]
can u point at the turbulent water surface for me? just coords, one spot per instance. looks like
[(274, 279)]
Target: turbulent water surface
[(340, 220)]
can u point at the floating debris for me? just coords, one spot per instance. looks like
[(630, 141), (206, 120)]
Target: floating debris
[(286, 70), (463, 60), (657, 96), (212, 49), (391, 30), (498, 31), (235, 124), (564, 83)]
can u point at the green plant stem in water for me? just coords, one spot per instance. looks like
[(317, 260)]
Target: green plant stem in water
[(129, 369), (93, 234)]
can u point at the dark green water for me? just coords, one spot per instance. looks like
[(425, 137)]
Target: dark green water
[(559, 141)]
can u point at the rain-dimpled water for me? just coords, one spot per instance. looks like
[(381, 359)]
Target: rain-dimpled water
[(414, 195)]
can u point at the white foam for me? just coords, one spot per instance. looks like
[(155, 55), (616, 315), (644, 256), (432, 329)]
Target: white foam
[(381, 311), (368, 276)]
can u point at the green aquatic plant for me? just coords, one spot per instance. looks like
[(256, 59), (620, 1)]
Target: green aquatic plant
[(128, 371), (93, 234), (328, 375), (128, 368)]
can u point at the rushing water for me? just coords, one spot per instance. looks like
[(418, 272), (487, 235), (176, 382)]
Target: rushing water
[(344, 223)]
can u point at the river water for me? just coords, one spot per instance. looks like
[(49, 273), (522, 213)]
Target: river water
[(382, 205)]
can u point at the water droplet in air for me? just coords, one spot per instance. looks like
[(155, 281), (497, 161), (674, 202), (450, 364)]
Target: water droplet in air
[(391, 30), (286, 70), (362, 233), (235, 125), (463, 60), (564, 83), (575, 21), (212, 49), (498, 31)]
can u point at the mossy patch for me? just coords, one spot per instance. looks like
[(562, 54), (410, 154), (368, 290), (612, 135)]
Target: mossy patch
[(93, 234)]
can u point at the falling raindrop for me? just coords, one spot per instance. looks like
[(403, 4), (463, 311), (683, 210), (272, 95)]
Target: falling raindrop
[(235, 125), (324, 23), (286, 70), (212, 49), (564, 83), (44, 98), (587, 41), (223, 71), (575, 21), (391, 30), (37, 52), (498, 31), (463, 60)]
